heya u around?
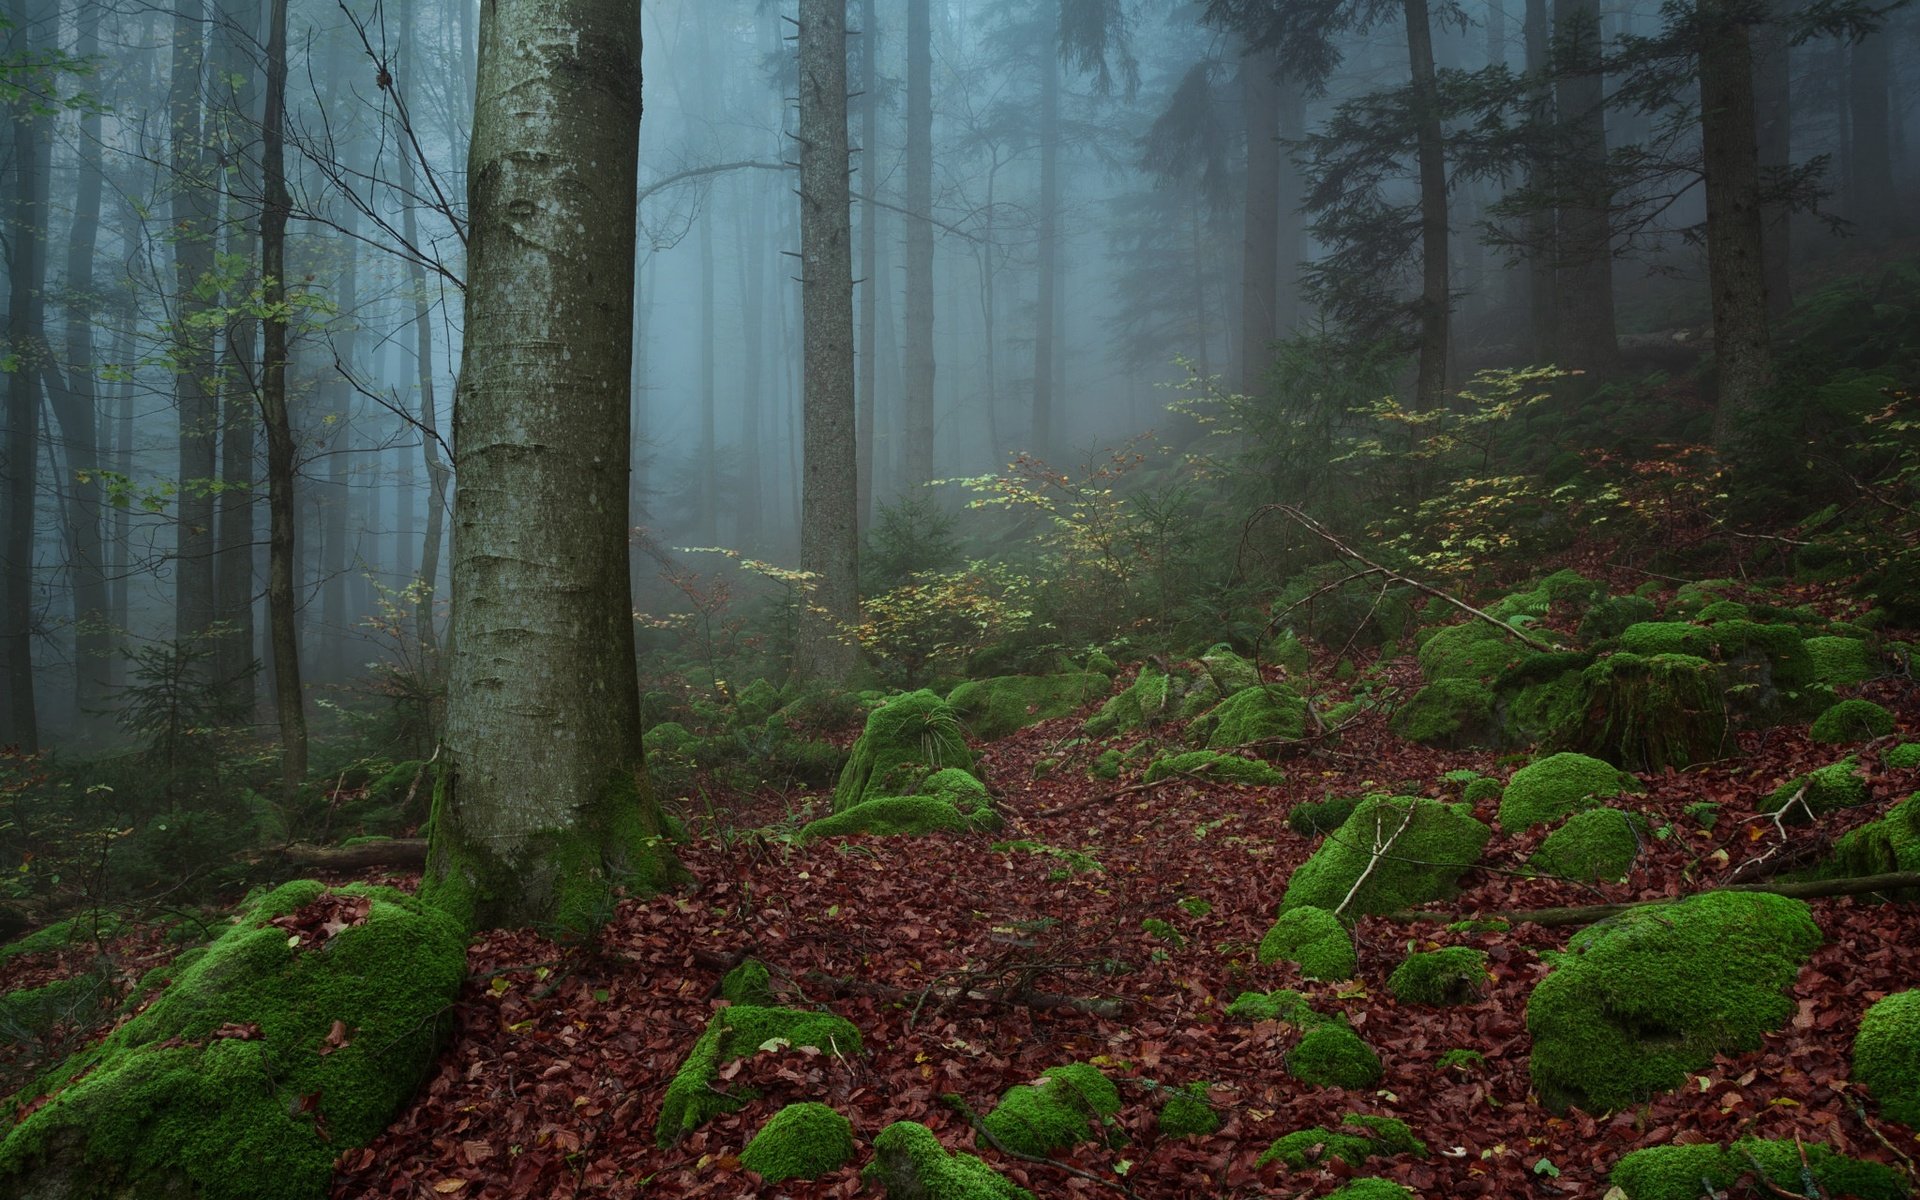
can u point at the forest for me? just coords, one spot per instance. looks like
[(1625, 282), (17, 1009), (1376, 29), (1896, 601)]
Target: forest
[(960, 599)]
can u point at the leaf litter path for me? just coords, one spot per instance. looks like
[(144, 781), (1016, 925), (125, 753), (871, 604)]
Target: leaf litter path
[(551, 1084)]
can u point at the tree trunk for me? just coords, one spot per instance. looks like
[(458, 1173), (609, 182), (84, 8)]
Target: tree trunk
[(1773, 107), (192, 233), (1736, 266), (1042, 436), (233, 660), (1543, 280), (1588, 340), (276, 207), (1435, 303), (829, 526), (1260, 240), (920, 363), (546, 810), (869, 363), (1871, 153), (428, 578)]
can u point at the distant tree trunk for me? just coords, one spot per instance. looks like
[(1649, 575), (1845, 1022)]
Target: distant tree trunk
[(1736, 261), (1773, 104), (1260, 238), (233, 665), (429, 419), (707, 520), (1431, 146), (1588, 341), (276, 208), (829, 526), (1048, 238), (1874, 205), (1543, 286), (920, 365), (121, 568), (870, 218), (1292, 233), (546, 813), (192, 232), (754, 243)]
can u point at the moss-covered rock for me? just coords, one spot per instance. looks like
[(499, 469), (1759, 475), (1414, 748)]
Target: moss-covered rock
[(1333, 1055), (1212, 765), (1311, 818), (801, 1141), (1644, 712), (1066, 1107), (1358, 1138), (1903, 757), (1433, 844), (905, 740), (1187, 1112), (276, 1049), (32, 1011), (888, 816), (748, 983), (1613, 615), (1314, 939), (1596, 844), (1886, 1056), (734, 1033), (1453, 714), (1152, 697), (1282, 1004), (994, 708), (1834, 786), (1455, 975), (1231, 673), (1472, 650), (1681, 1172), (1370, 1188), (909, 1163), (1262, 714), (1558, 786), (1645, 998), (962, 789), (1838, 661), (1852, 721), (1889, 844)]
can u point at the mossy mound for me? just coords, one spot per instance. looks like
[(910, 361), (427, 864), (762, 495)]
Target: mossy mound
[(1598, 843), (1645, 998), (962, 789), (61, 934), (1453, 714), (1681, 1172), (890, 816), (1314, 939), (1778, 652), (905, 740), (1231, 673), (1903, 757), (1262, 714), (909, 1163), (1212, 765), (1333, 1055), (1568, 588), (1371, 1189), (1455, 975), (1063, 1109), (1187, 1112), (1359, 1138), (801, 1141), (994, 708), (1644, 712), (1283, 1004), (1838, 661), (236, 1083), (1558, 786), (1610, 617), (1834, 786), (30, 1012), (1153, 697), (734, 1033), (1886, 1056), (748, 983), (1471, 650), (1890, 844), (1311, 818), (1852, 721), (1434, 846)]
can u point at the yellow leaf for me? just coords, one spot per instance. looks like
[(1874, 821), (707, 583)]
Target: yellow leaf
[(446, 1187)]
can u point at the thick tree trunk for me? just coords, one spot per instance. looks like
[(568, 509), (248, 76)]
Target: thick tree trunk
[(1588, 340), (920, 363), (192, 233), (1543, 279), (869, 362), (829, 526), (1260, 239), (1435, 302), (233, 663), (1736, 264), (546, 809), (1048, 238)]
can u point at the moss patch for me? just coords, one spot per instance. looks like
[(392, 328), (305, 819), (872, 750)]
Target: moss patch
[(1599, 843), (1221, 768), (1647, 712), (1834, 786), (1886, 1056), (1890, 844), (748, 983), (1903, 757), (1647, 997), (1679, 1172), (1187, 1112), (1261, 714), (905, 740), (1358, 1138), (233, 1083), (1314, 939), (1852, 721), (888, 816), (1557, 786), (1063, 1109), (1152, 697), (1436, 846), (1311, 818), (1371, 1189), (1838, 661), (734, 1033), (1332, 1055), (994, 708), (1455, 975), (909, 1162), (1283, 1004), (1454, 714), (801, 1141), (1471, 650)]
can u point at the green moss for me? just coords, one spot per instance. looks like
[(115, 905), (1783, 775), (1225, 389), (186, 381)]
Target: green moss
[(1645, 998), (1063, 1109), (1076, 862), (960, 789), (1479, 791), (1435, 845), (168, 1104), (1454, 975), (909, 1163), (1903, 757), (1263, 714), (1645, 712), (1223, 768), (734, 1033), (748, 983), (30, 1012), (887, 816), (905, 740), (1559, 785), (1311, 818), (1599, 843), (1150, 699), (1291, 655), (1451, 713), (1107, 765), (756, 702), (1187, 1112), (1461, 1059), (1164, 931), (1723, 610), (1852, 721), (801, 1141), (1332, 1055), (1232, 673), (1681, 1172), (1473, 650), (61, 934), (994, 708), (1313, 938), (1838, 661), (1890, 844), (1283, 1004), (1779, 648), (1371, 1189), (1834, 786), (1886, 1056), (667, 739), (1613, 615), (1358, 1139)]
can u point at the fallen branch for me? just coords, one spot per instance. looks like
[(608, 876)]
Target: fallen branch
[(1818, 889), (1006, 997), (1380, 849)]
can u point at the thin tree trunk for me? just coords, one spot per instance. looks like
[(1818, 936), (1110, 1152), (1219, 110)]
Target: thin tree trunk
[(708, 518), (1543, 280), (754, 246), (428, 416), (869, 252), (192, 231), (1588, 341), (920, 358), (1048, 239), (1736, 237), (1435, 303), (1773, 105), (1260, 235), (233, 665)]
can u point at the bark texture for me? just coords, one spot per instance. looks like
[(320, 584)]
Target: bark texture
[(1436, 304), (919, 465), (1736, 265), (1260, 242), (194, 391), (1588, 340)]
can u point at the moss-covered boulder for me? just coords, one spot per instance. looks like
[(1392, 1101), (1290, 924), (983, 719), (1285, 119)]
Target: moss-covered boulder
[(1231, 673), (748, 983), (1333, 1055), (735, 1032), (905, 740), (994, 708), (1311, 818), (1852, 721), (801, 1141), (1683, 1172), (1839, 661), (32, 1011), (1067, 1106), (1432, 845), (1153, 697), (1315, 940), (1889, 844), (1596, 844), (1282, 1004), (1216, 767), (1886, 1056), (1358, 1138), (1558, 786), (1262, 714), (1455, 975), (1452, 714), (1834, 786), (909, 1163), (1473, 649), (1643, 712), (297, 1034), (1187, 1112), (1609, 617), (900, 816), (1643, 999), (1903, 757), (1370, 1188)]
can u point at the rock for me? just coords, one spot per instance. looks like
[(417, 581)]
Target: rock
[(1358, 1138), (906, 739), (1436, 847), (1680, 1172), (993, 708), (1886, 1056), (1455, 975), (801, 1141), (734, 1033), (1852, 721), (1557, 786), (1596, 844), (1187, 1112), (909, 1163), (1314, 939), (1067, 1106)]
